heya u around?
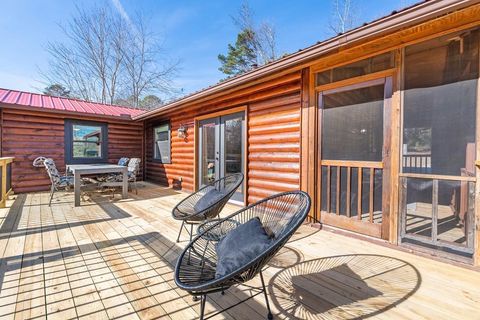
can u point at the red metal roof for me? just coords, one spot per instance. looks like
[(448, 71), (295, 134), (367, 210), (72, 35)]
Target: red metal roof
[(41, 101)]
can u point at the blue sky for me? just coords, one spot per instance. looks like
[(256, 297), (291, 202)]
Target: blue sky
[(194, 32)]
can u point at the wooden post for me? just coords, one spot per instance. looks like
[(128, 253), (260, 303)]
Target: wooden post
[(359, 192), (370, 193), (476, 247), (349, 183), (338, 191), (329, 188), (4, 192), (395, 151), (308, 124), (435, 211), (3, 195), (387, 160), (402, 198), (476, 220)]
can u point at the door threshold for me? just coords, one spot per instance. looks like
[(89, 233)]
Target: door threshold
[(437, 254), (404, 247), (237, 203)]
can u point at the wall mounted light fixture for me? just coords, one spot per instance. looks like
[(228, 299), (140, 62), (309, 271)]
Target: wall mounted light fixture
[(182, 132)]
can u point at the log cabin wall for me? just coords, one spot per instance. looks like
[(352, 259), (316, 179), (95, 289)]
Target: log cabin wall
[(28, 134), (273, 138), (265, 173)]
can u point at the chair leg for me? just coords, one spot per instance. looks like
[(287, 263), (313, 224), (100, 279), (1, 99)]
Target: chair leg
[(190, 250), (191, 232), (180, 232), (203, 301), (270, 315), (52, 190)]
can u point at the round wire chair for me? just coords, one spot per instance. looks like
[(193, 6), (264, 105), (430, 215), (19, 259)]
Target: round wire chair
[(281, 214), (186, 212)]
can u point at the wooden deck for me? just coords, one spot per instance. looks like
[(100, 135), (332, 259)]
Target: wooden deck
[(115, 259)]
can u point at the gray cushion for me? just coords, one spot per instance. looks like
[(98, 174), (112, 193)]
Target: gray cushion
[(241, 246), (123, 161), (207, 200)]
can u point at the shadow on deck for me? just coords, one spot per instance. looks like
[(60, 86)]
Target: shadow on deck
[(109, 259)]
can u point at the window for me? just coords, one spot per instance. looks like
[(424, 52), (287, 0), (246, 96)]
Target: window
[(360, 68), (161, 140), (85, 142)]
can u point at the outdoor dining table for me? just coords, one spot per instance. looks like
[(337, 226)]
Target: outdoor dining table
[(91, 169)]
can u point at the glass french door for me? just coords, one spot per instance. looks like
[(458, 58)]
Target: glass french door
[(221, 149), (352, 130)]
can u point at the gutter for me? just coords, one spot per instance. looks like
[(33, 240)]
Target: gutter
[(411, 16)]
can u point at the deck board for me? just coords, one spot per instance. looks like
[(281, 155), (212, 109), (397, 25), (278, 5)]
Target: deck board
[(115, 259)]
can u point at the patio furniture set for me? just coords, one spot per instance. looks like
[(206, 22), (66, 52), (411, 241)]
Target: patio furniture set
[(225, 251), (123, 174), (233, 250)]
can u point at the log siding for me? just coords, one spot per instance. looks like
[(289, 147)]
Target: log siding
[(273, 138), (29, 134)]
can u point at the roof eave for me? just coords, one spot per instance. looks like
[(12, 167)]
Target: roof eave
[(65, 112)]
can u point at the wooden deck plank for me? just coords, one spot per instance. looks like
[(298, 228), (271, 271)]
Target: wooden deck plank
[(58, 293), (86, 295), (115, 259), (150, 268), (142, 300), (9, 268), (222, 301), (31, 301)]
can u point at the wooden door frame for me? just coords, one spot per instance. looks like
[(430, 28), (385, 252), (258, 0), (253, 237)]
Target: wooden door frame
[(389, 81), (476, 245), (197, 119)]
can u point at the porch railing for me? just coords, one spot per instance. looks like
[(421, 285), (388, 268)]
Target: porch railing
[(427, 225), (341, 187), (417, 162), (6, 179)]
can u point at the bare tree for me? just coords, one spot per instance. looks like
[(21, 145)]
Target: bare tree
[(343, 16), (263, 40), (108, 57), (143, 72)]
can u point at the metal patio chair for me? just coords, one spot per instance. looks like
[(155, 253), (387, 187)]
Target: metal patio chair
[(195, 271), (123, 161), (189, 210), (133, 171), (57, 180)]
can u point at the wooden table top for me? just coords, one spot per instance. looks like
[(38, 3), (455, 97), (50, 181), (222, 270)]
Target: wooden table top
[(96, 168)]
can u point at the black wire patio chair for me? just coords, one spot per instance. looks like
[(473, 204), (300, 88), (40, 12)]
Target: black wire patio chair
[(191, 212), (195, 272)]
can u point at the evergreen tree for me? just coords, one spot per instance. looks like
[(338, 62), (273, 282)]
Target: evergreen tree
[(241, 57), (56, 90), (150, 102)]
